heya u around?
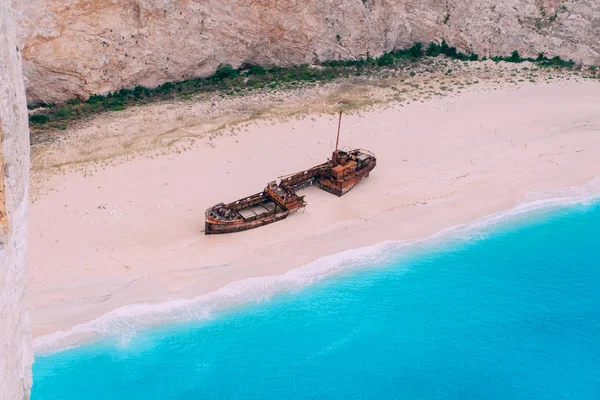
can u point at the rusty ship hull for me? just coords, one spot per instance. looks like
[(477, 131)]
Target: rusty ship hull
[(215, 226), (340, 179), (253, 211), (278, 200)]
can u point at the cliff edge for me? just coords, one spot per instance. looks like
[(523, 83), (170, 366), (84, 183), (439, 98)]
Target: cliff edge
[(75, 48), (16, 355)]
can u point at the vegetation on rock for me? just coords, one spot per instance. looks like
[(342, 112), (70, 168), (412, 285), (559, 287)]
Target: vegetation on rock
[(229, 80)]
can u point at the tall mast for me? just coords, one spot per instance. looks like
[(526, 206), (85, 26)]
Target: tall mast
[(337, 141)]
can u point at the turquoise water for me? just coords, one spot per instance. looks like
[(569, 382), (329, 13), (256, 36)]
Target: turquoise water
[(513, 314)]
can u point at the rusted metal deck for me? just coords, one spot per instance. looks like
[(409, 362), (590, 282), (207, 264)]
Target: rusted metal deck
[(278, 200)]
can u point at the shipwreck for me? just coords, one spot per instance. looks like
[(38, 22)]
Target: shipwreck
[(280, 198)]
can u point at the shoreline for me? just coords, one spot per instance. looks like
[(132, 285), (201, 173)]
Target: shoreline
[(125, 322), (131, 232)]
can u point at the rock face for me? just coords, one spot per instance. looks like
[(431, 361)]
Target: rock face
[(16, 355), (80, 47)]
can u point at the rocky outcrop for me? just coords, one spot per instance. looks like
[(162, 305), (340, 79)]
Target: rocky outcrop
[(16, 355), (80, 47)]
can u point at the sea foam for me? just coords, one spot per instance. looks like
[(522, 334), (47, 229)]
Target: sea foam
[(124, 322)]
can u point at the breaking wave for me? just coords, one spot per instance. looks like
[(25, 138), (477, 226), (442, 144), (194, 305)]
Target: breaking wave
[(124, 322)]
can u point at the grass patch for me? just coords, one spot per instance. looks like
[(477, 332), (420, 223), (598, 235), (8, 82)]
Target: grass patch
[(229, 81), (541, 60)]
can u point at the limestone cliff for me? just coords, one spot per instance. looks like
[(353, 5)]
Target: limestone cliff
[(15, 340), (79, 47)]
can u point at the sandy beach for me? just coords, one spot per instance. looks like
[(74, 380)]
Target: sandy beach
[(132, 232)]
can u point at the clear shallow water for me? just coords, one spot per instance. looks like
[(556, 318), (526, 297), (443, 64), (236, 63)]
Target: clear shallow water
[(514, 314)]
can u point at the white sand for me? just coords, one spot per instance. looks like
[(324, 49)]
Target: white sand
[(132, 233)]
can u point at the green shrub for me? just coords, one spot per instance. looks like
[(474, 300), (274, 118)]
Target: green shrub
[(557, 62), (433, 50), (39, 119), (462, 57), (124, 93), (448, 51), (64, 112), (444, 46), (257, 70), (514, 57), (416, 50), (95, 98), (386, 59), (140, 92), (165, 88), (225, 71)]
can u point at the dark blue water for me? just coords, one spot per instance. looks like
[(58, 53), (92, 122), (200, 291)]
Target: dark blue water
[(513, 315)]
